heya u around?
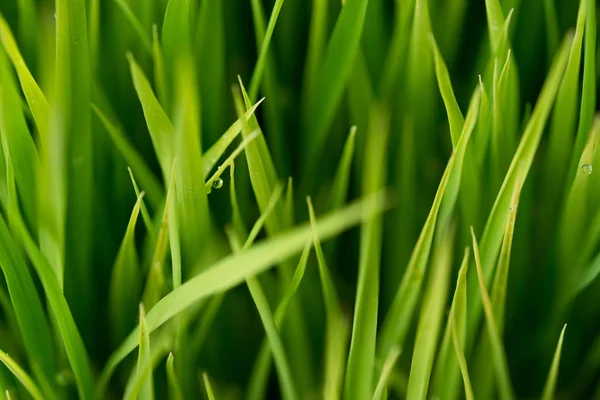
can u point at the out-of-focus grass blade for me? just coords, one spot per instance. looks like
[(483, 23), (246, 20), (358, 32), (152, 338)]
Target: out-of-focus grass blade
[(588, 94), (145, 390), (430, 320), (210, 42), (550, 386), (40, 108), (176, 34), (175, 392), (124, 291), (563, 121), (29, 312), (495, 22), (17, 142), (336, 67), (341, 181), (337, 325), (262, 57), (361, 359), (209, 391), (316, 43), (174, 242), (27, 11), (399, 317), (552, 29), (505, 389), (135, 24), (484, 376), (233, 270), (484, 127), (260, 372), (520, 165), (236, 215), (446, 372), (149, 182), (94, 33), (386, 371), (160, 73), (160, 127), (214, 153), (71, 338), (192, 202), (22, 376)]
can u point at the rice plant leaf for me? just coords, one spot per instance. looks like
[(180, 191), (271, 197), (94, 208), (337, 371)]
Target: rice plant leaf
[(210, 45), (341, 181), (550, 386), (520, 165), (176, 33), (386, 371), (495, 22), (361, 359), (314, 53), (260, 372), (17, 143), (446, 372), (160, 73), (337, 329), (498, 355), (143, 208), (174, 241), (29, 311), (335, 70), (484, 126), (40, 108), (22, 376), (137, 383), (208, 387), (552, 27), (125, 288), (175, 392), (264, 48), (430, 321), (135, 161), (234, 269), (135, 24), (160, 127), (399, 317), (214, 153), (588, 94)]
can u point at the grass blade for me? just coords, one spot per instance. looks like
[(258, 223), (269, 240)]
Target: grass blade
[(208, 387), (386, 371), (175, 392), (550, 385), (22, 376), (341, 181)]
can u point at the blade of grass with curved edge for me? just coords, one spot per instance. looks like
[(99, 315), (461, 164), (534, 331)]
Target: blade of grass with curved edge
[(588, 94), (484, 377), (461, 359), (175, 392), (341, 181), (430, 320), (149, 182), (40, 108), (520, 165), (214, 153), (260, 372), (336, 67), (233, 270), (209, 391), (337, 330), (210, 45), (145, 389), (446, 373), (71, 338), (505, 389), (29, 311), (71, 130), (386, 371), (262, 57), (124, 290), (397, 321), (192, 202), (22, 376), (19, 148), (160, 127), (563, 122), (361, 358), (145, 215), (550, 386)]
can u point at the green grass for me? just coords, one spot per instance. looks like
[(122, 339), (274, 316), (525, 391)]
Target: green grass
[(158, 221)]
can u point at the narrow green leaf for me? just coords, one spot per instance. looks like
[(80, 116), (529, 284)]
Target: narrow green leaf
[(236, 215), (386, 371), (145, 390), (175, 392), (341, 181), (22, 376), (550, 386), (144, 209), (176, 34), (160, 73), (233, 270), (498, 355), (135, 24), (430, 320), (333, 75), (208, 387), (552, 29)]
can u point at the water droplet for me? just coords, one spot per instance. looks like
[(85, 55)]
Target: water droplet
[(587, 169), (217, 183)]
